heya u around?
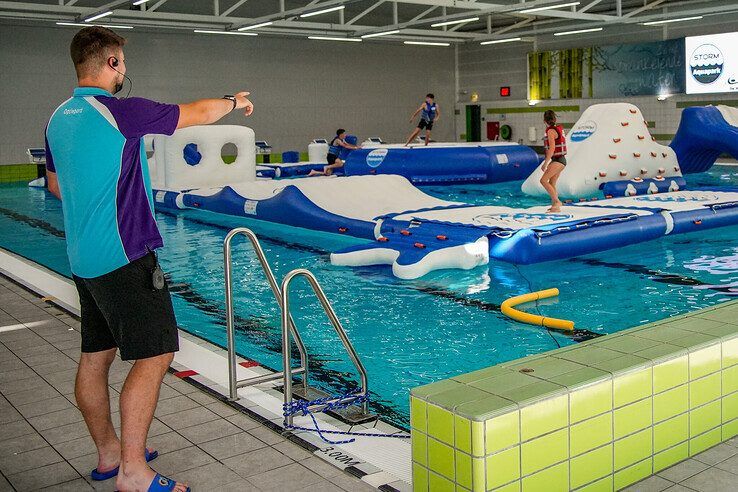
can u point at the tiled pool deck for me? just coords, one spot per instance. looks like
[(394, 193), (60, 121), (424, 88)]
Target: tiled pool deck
[(44, 441), (597, 416)]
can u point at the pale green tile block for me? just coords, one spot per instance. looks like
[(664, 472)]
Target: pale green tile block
[(503, 467), (544, 416), (670, 457), (730, 380), (418, 419), (463, 470), (730, 430), (463, 434), (632, 449), (632, 386), (704, 361), (477, 433), (591, 466), (670, 403), (420, 478), (704, 418), (544, 451), (438, 483), (441, 458), (633, 417), (502, 432), (419, 444), (670, 433), (479, 481), (704, 390), (604, 485), (730, 407), (590, 401), (590, 434), (705, 441), (633, 474), (730, 352), (670, 373), (441, 424), (554, 478), (511, 487)]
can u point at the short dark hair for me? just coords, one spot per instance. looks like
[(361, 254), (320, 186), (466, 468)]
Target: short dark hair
[(430, 94), (549, 116), (340, 131), (91, 46)]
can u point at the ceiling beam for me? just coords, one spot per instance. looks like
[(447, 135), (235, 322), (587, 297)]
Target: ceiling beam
[(156, 5), (365, 12), (231, 9)]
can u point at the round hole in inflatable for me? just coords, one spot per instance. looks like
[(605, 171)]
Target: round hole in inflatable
[(229, 152), (191, 155)]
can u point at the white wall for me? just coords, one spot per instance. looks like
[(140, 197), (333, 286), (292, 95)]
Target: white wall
[(484, 69), (302, 89)]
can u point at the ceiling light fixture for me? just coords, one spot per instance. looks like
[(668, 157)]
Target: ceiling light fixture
[(579, 31), (79, 24), (255, 26), (452, 22), (377, 34), (232, 33), (99, 16), (499, 41), (323, 11), (549, 7), (667, 21), (426, 43), (328, 38)]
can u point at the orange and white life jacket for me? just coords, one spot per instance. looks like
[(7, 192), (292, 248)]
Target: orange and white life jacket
[(559, 142)]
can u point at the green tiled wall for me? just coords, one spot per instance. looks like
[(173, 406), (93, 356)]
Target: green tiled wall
[(17, 172), (596, 416)]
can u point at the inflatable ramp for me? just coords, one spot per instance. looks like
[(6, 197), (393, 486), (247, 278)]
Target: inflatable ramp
[(417, 233), (705, 133)]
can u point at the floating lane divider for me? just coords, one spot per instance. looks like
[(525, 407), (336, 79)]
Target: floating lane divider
[(508, 309)]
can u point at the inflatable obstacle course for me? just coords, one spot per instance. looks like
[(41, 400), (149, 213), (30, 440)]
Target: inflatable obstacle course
[(611, 143), (704, 133)]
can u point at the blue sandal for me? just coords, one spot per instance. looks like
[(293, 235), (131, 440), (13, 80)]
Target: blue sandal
[(160, 483), (98, 476)]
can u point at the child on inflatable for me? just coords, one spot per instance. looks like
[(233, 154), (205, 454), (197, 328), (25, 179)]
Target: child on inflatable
[(429, 114), (334, 150), (555, 160)]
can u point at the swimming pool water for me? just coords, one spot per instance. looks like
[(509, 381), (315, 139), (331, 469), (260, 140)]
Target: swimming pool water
[(407, 333)]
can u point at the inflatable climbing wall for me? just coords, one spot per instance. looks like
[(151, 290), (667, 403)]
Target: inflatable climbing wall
[(192, 157), (611, 142)]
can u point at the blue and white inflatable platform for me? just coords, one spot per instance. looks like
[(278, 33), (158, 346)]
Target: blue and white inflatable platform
[(414, 232), (435, 163)]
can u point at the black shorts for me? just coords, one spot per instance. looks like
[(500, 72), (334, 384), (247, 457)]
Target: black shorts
[(425, 125), (559, 158), (332, 158), (123, 309)]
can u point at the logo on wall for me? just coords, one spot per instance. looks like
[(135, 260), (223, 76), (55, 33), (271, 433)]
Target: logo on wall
[(376, 157), (583, 131), (706, 63)]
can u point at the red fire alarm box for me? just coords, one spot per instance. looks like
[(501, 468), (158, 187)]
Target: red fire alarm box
[(505, 91), (493, 130)]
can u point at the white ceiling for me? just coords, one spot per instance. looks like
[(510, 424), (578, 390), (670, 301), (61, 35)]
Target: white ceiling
[(498, 19)]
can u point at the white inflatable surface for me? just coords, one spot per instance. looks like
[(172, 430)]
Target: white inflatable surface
[(609, 142), (170, 171)]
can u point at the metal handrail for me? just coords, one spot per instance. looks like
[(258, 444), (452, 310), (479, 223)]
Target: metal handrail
[(286, 321), (234, 383)]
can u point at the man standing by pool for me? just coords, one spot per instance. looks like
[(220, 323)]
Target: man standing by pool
[(97, 166), (429, 114)]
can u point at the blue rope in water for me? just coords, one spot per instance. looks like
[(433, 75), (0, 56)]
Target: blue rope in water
[(302, 407)]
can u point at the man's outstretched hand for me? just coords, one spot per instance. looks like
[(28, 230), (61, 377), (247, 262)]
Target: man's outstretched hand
[(242, 102)]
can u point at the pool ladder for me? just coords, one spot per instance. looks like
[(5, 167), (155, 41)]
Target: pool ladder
[(351, 414)]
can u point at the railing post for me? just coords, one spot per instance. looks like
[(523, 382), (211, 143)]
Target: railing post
[(286, 349), (230, 329)]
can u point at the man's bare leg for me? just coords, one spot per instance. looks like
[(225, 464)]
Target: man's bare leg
[(427, 137), (137, 404), (413, 135), (93, 398)]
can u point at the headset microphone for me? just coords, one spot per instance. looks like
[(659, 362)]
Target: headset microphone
[(113, 63)]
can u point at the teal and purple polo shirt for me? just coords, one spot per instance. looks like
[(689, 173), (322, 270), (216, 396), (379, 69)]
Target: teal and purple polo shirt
[(94, 144)]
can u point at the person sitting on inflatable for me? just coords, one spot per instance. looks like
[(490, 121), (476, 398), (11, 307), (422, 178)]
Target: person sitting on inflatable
[(555, 160), (334, 150), (429, 114)]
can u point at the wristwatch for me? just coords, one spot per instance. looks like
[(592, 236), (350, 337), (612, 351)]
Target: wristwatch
[(232, 99)]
